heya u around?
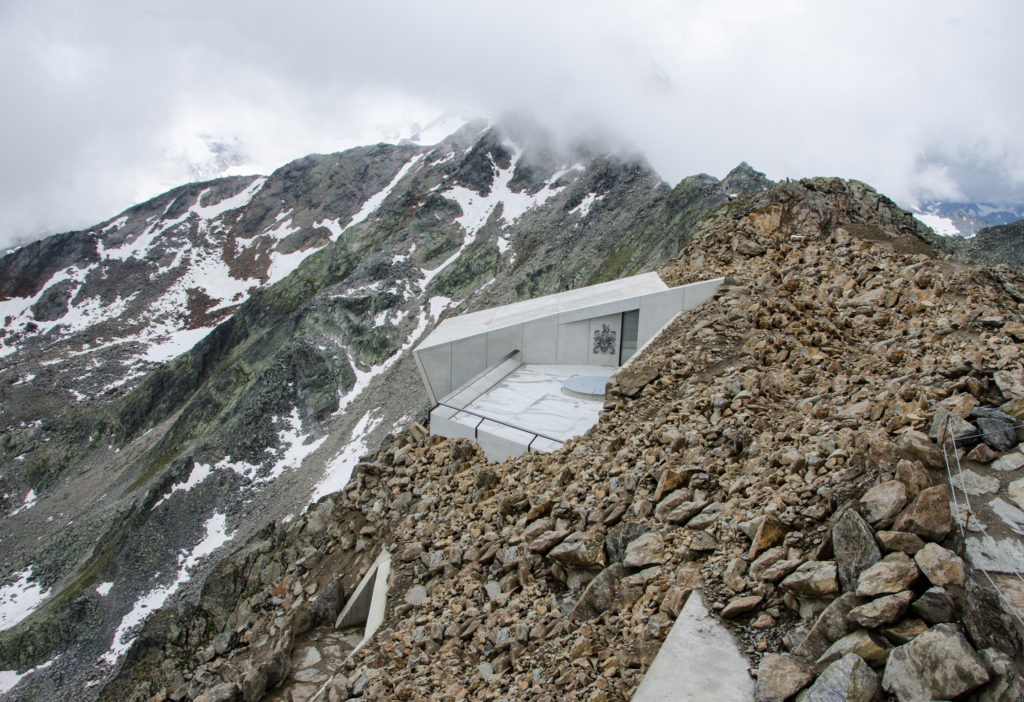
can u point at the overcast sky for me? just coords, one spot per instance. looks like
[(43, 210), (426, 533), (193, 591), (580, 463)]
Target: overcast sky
[(107, 102)]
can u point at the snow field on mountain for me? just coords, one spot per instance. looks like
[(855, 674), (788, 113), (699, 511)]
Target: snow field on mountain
[(199, 473), (583, 209), (215, 537), (942, 226), (28, 503), (376, 200), (10, 678), (339, 469), (18, 599)]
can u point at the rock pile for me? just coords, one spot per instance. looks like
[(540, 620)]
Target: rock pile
[(770, 449)]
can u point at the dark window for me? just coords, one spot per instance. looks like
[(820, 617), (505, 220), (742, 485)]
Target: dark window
[(630, 326)]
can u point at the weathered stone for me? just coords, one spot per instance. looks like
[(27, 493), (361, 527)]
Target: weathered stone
[(986, 619), (769, 533), (928, 515), (1006, 683), (672, 500), (848, 679), (882, 611), (982, 453), (831, 625), (814, 578), (707, 516), (937, 665), (946, 425), (941, 566), (1015, 491), (914, 475), (630, 380), (853, 543), (780, 676), (741, 605), (935, 606), (998, 432), (900, 541), (646, 550), (883, 502), (1009, 462), (766, 559), (906, 630), (1010, 382), (671, 480), (866, 644), (619, 536), (683, 512), (892, 574), (579, 550), (599, 593), (915, 446), (548, 540), (416, 595), (225, 692)]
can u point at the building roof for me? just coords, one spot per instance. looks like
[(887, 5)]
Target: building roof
[(507, 315)]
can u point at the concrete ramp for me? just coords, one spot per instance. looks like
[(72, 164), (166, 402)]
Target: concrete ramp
[(698, 661)]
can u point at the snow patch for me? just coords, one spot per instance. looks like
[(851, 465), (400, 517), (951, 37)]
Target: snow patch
[(943, 226), (10, 678), (229, 203), (104, 589), (291, 453), (339, 470), (29, 503), (20, 598), (216, 536), (198, 475), (583, 209), (375, 201), (331, 225), (175, 344)]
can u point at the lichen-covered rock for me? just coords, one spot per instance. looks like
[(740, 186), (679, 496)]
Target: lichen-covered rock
[(853, 543), (928, 515), (814, 578), (848, 679), (937, 665), (892, 574), (780, 676), (941, 566)]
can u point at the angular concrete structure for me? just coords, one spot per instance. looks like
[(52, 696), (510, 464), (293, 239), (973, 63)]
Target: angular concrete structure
[(497, 376)]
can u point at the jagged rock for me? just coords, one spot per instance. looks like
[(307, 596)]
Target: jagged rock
[(935, 606), (941, 566), (884, 610), (904, 631), (900, 541), (892, 574), (682, 512), (1010, 383), (928, 515), (871, 647), (741, 605), (853, 543), (225, 692), (848, 679), (548, 540), (599, 593), (937, 665), (619, 537), (830, 626), (814, 578), (1005, 683), (916, 446), (982, 453), (707, 516), (883, 502), (947, 425), (914, 475), (579, 550), (780, 676), (997, 428), (770, 532), (1015, 491), (646, 550), (630, 380)]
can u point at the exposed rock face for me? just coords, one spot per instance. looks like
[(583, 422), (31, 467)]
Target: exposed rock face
[(811, 378), (937, 665)]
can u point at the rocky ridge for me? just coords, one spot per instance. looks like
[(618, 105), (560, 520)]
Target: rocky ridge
[(769, 448), (121, 475)]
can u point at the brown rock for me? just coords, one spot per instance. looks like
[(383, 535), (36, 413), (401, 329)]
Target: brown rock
[(579, 550), (928, 515), (914, 475), (982, 453), (814, 578), (900, 541), (937, 665), (892, 574), (780, 676), (548, 540), (646, 550), (868, 645), (630, 380), (883, 502), (671, 480), (770, 533), (916, 446), (853, 544), (684, 512), (941, 566), (741, 605), (884, 610), (905, 630), (848, 679)]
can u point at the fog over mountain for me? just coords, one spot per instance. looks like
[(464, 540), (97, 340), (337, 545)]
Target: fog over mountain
[(114, 102)]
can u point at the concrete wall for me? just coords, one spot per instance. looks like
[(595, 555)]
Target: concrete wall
[(565, 338)]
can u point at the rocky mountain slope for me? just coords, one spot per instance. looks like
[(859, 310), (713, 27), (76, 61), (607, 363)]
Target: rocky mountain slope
[(125, 468), (1003, 244), (771, 449)]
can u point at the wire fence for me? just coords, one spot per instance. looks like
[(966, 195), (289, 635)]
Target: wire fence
[(952, 441)]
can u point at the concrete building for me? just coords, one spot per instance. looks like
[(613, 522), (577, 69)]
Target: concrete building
[(530, 375)]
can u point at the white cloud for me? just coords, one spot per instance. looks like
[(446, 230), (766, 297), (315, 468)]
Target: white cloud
[(113, 100)]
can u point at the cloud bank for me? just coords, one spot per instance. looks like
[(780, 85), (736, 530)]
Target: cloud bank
[(109, 102)]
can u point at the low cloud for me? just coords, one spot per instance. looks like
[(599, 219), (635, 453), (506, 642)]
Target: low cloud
[(113, 101)]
